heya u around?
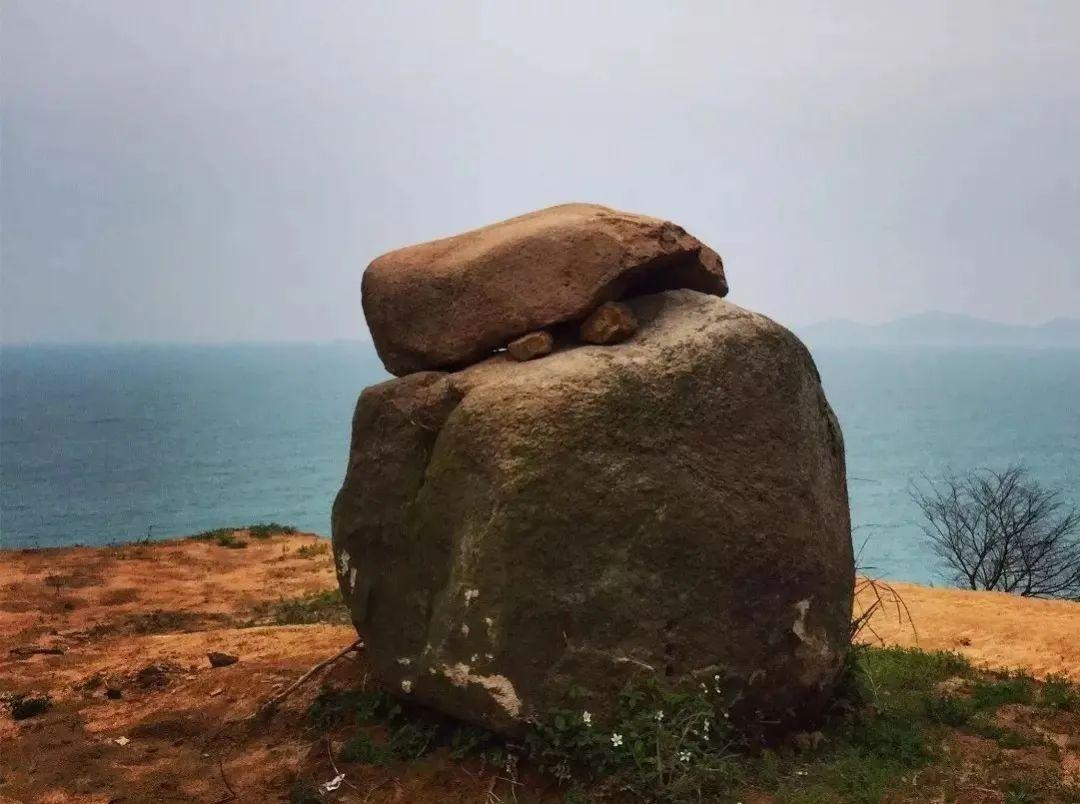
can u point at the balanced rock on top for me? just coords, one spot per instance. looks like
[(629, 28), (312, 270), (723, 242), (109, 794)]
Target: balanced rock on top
[(451, 302)]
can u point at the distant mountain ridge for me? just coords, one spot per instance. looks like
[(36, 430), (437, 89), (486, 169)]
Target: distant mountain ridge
[(942, 329)]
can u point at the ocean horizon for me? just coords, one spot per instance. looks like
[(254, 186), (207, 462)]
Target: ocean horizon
[(112, 443)]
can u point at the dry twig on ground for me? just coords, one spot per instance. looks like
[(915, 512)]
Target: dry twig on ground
[(271, 704)]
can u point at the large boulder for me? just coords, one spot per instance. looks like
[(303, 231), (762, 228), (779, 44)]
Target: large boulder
[(672, 506), (451, 302)]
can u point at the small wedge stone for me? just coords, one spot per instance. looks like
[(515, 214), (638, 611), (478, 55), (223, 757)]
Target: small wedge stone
[(531, 346), (609, 323)]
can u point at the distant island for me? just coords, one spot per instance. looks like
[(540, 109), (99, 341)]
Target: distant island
[(941, 329)]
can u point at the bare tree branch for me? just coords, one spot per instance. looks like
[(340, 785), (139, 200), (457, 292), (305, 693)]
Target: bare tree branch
[(1001, 530)]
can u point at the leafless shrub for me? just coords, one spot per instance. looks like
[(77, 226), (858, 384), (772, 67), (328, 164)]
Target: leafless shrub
[(1002, 531), (880, 598)]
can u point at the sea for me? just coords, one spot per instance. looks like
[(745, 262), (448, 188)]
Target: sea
[(103, 444)]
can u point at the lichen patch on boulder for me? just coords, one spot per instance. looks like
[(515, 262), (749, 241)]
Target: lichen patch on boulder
[(502, 691)]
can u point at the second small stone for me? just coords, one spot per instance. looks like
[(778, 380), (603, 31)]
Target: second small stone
[(611, 322), (528, 347)]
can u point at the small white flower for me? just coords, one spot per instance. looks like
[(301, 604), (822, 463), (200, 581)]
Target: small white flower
[(586, 717), (716, 678), (616, 740), (659, 715), (471, 595), (800, 773), (684, 755), (726, 716), (464, 629), (406, 686)]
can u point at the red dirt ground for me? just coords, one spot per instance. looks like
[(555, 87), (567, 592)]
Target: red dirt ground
[(142, 618)]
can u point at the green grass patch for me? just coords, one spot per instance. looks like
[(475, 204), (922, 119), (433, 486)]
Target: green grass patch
[(312, 550), (891, 719), (212, 535), (1004, 737), (677, 745), (995, 693), (404, 742), (889, 726), (222, 537), (1058, 692), (319, 607), (385, 732), (264, 530), (899, 679), (226, 537), (333, 708), (949, 710), (847, 774), (1020, 792)]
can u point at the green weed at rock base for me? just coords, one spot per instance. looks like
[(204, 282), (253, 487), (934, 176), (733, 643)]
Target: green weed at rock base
[(677, 745), (363, 749), (888, 728), (332, 708), (304, 791), (384, 733)]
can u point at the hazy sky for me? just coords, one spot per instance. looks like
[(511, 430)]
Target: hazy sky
[(225, 170)]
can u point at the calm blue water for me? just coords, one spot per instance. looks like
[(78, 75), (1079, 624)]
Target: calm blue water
[(100, 443), (909, 412)]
